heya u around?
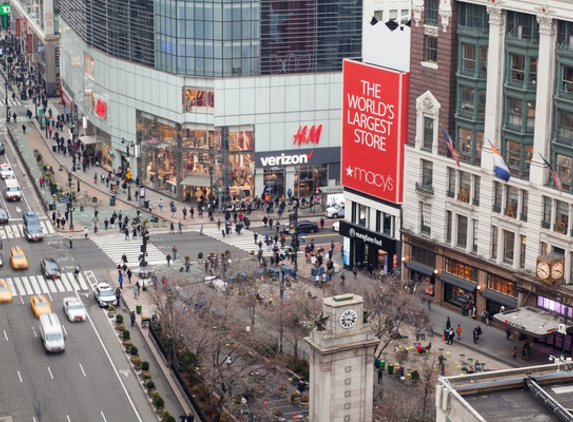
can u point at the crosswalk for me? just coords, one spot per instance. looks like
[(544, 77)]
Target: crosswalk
[(245, 241), (11, 102), (37, 284), (115, 245), (13, 231)]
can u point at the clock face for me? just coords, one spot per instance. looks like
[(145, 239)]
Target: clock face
[(543, 270), (557, 271), (348, 318)]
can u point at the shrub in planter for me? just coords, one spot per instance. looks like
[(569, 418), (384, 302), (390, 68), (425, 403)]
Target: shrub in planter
[(119, 319), (158, 402), (279, 412), (415, 376), (294, 397), (150, 385), (133, 351), (224, 417), (200, 255), (155, 394), (111, 308), (170, 419), (128, 344), (145, 366), (304, 398), (146, 376), (126, 335), (121, 327)]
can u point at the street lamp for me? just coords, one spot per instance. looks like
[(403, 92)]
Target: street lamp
[(128, 174), (563, 327), (6, 97), (211, 218), (69, 206), (293, 219)]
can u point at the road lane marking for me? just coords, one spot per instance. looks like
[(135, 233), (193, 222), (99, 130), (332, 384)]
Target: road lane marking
[(59, 284), (26, 283), (35, 284), (20, 376), (50, 297), (66, 284), (64, 328), (19, 286), (113, 367), (43, 284), (83, 372), (83, 283), (52, 286), (50, 373), (5, 335), (34, 330)]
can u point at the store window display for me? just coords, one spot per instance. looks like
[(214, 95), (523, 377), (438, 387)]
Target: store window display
[(197, 100)]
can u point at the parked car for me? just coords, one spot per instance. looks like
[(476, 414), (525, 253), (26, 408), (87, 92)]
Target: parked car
[(3, 216), (104, 295), (335, 211), (2, 148), (6, 171)]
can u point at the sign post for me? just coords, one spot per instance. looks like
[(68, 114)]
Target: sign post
[(5, 12)]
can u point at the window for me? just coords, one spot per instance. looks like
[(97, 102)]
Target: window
[(379, 218), (561, 217), (404, 16), (563, 169), (465, 187), (393, 14), (530, 116), (477, 188), (508, 244), (470, 145), (88, 66), (566, 124), (475, 237), (511, 200), (514, 113), (363, 212), (473, 16), (469, 57), (424, 256), (460, 270), (523, 251), (379, 15), (494, 237), (502, 285), (451, 182), (428, 133), (524, 204), (518, 157), (517, 67), (567, 79), (497, 196), (546, 223), (427, 173), (431, 48), (462, 231), (521, 26), (467, 100), (448, 226), (543, 248), (389, 224), (426, 216), (432, 7)]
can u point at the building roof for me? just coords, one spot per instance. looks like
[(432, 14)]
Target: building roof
[(533, 321)]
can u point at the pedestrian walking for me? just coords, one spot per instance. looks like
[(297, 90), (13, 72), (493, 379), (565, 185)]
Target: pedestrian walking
[(507, 333), (71, 240), (132, 317), (180, 228), (105, 223), (514, 352), (168, 258), (450, 337), (129, 274), (174, 251), (120, 281), (171, 228), (448, 323), (201, 229), (459, 331), (256, 236), (184, 212), (342, 280), (355, 272), (476, 335), (126, 233), (160, 205), (24, 129), (124, 258), (136, 290), (379, 375), (85, 232)]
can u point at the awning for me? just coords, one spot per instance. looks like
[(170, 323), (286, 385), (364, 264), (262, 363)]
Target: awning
[(86, 140), (536, 322), (458, 282), (500, 298), (198, 179), (421, 268)]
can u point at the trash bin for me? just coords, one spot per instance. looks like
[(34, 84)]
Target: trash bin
[(54, 148), (382, 364), (390, 368), (51, 207), (138, 309), (146, 204), (112, 199)]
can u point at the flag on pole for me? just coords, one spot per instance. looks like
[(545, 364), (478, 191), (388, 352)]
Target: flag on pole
[(554, 174), (453, 151), (499, 166)]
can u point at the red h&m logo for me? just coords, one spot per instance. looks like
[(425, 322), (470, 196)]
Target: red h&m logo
[(313, 135), (101, 109)]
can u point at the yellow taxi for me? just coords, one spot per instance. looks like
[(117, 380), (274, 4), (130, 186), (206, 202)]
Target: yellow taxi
[(5, 293), (40, 305), (18, 258)]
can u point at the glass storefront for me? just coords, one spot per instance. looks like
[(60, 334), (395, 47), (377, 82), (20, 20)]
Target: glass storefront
[(102, 148), (177, 160), (308, 179)]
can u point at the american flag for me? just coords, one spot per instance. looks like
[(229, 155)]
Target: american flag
[(453, 151), (554, 174)]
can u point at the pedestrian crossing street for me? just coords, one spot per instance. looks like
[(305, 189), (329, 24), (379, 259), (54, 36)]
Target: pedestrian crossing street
[(245, 241), (13, 231), (115, 245), (11, 102), (37, 284)]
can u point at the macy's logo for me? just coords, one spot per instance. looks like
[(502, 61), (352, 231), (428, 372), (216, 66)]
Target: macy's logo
[(371, 178), (286, 160)]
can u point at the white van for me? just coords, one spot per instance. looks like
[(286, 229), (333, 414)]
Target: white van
[(51, 333), (13, 191)]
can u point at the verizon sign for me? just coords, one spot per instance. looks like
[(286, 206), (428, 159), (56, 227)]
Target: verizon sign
[(286, 159), (374, 129)]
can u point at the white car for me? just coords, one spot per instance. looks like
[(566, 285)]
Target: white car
[(104, 295), (74, 309), (216, 283), (336, 226), (6, 171), (335, 211)]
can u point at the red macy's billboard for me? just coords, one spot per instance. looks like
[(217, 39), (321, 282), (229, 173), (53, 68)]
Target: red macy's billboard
[(374, 129)]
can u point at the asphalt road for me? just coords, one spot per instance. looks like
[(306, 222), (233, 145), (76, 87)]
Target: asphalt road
[(85, 383)]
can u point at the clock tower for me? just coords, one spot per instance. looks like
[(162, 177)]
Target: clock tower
[(341, 362)]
